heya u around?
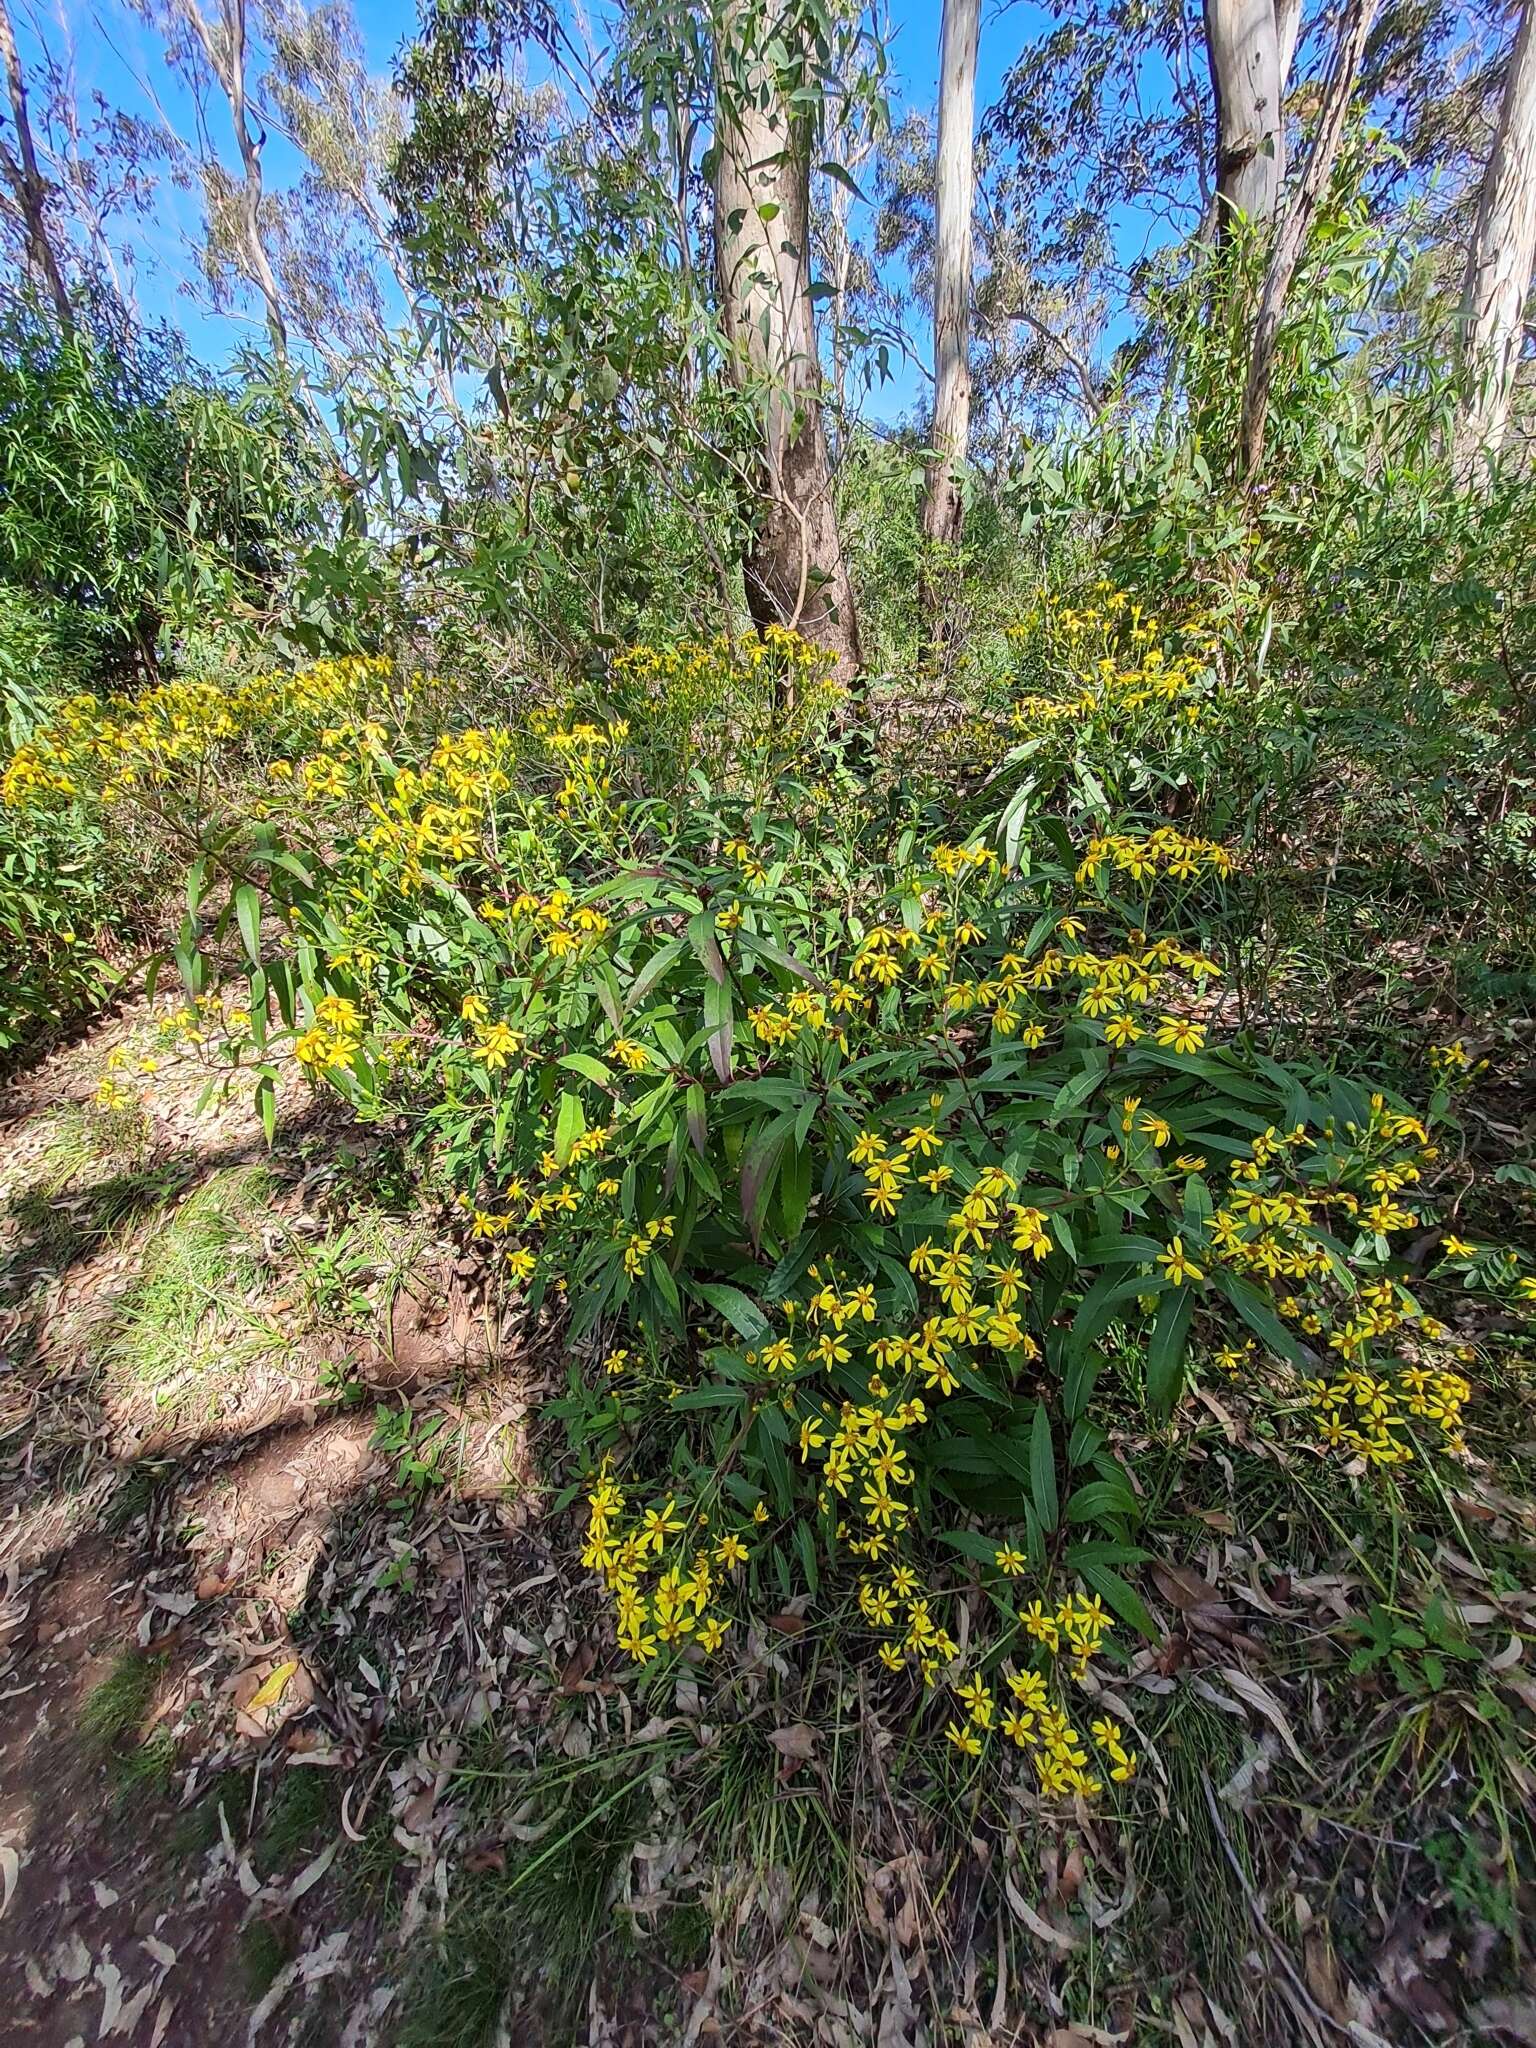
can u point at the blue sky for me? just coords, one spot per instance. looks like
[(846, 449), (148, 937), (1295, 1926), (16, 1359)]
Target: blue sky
[(115, 52)]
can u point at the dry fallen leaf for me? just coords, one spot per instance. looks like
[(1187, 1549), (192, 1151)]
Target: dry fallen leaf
[(573, 1678), (796, 1743), (272, 1687), (1263, 1701)]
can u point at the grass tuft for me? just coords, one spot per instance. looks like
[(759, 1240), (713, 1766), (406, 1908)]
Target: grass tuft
[(118, 1707), (177, 1317)]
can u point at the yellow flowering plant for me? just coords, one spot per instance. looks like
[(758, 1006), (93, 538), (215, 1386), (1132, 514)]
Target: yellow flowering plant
[(845, 1148)]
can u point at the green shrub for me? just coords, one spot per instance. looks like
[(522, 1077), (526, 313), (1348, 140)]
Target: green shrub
[(856, 1154)]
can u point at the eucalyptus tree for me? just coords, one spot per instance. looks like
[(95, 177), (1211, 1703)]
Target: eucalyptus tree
[(1500, 261), (1301, 211), (954, 202), (212, 51), (1250, 44), (29, 190), (772, 74)]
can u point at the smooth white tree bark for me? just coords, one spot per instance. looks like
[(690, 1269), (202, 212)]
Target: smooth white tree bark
[(1250, 44), (955, 193)]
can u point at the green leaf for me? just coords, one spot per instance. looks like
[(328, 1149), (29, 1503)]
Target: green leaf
[(1042, 1468), (696, 1113), (843, 175), (775, 1466), (1255, 1310), (570, 1122), (266, 1105), (788, 961), (197, 879), (702, 938), (651, 973), (248, 916), (1100, 1500), (719, 1022), (1165, 1350), (1119, 1598), (971, 1543), (738, 1309), (1095, 1313), (794, 1189), (760, 1171), (708, 1397), (584, 1064), (280, 981), (805, 1544)]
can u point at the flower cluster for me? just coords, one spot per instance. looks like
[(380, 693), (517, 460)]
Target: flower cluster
[(334, 1037), (665, 1571), (1107, 659), (1069, 1634), (747, 685), (150, 741)]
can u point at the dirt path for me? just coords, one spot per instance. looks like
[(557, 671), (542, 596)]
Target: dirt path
[(265, 1499)]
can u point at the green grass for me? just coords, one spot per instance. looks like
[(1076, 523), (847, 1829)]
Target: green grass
[(177, 1315), (62, 1201), (117, 1708), (79, 1136), (263, 1952), (526, 1941), (300, 1818), (111, 1719)]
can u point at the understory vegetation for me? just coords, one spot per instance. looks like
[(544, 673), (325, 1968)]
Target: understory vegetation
[(897, 1223)]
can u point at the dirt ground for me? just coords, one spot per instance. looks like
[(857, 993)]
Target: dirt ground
[(192, 1577)]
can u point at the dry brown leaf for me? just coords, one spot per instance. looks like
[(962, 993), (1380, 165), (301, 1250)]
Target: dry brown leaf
[(1185, 1589), (1513, 2017), (573, 1678), (796, 1743), (1263, 1701), (1055, 1937)]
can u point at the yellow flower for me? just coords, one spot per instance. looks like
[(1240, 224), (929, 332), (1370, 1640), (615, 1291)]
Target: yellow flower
[(1010, 1562), (1180, 1034), (1028, 1688), (1177, 1264), (964, 1738)]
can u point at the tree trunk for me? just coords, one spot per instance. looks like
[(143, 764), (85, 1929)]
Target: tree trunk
[(1244, 40), (943, 506), (1500, 263), (795, 572), (1354, 28), (29, 188)]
